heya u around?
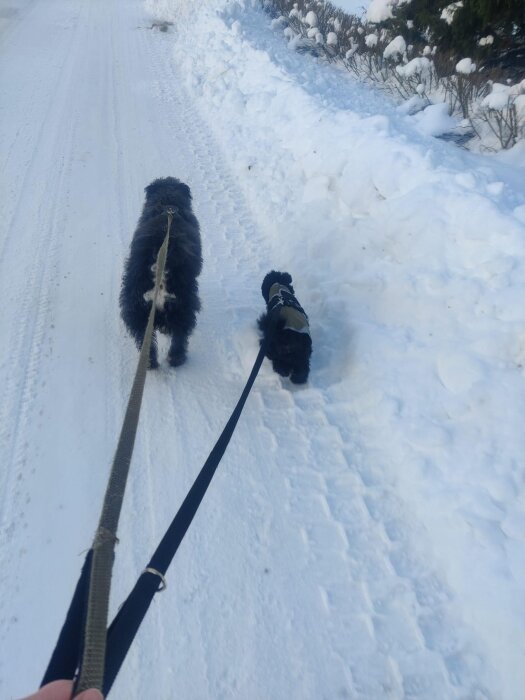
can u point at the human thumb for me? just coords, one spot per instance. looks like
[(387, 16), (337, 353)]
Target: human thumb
[(90, 695)]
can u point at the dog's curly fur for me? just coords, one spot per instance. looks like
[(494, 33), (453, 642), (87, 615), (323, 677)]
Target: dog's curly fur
[(178, 303), (289, 350)]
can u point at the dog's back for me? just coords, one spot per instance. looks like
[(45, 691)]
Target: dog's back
[(178, 302), (285, 328)]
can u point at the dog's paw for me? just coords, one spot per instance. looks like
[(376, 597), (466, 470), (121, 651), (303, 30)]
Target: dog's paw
[(281, 371), (299, 377), (153, 363), (176, 360)]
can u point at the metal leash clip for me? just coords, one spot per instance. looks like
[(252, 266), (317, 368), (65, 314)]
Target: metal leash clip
[(163, 583)]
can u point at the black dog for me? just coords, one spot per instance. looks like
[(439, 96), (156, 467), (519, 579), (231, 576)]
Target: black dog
[(285, 325), (178, 301)]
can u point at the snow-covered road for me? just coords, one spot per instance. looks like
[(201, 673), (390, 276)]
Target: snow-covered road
[(364, 536)]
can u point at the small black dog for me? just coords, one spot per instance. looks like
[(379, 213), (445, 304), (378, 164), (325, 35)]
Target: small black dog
[(290, 343), (178, 301)]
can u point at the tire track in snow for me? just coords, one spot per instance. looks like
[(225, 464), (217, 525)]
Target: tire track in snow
[(36, 284), (34, 289), (387, 557), (231, 246), (166, 390), (411, 614), (30, 143)]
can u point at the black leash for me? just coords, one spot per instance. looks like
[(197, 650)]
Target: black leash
[(122, 631), (127, 621)]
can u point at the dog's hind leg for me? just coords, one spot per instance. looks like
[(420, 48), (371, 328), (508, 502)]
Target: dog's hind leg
[(299, 376), (139, 339), (181, 317), (178, 349), (281, 368)]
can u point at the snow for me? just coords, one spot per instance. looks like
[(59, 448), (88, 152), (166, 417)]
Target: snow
[(379, 11), (363, 537), (486, 40), (465, 66), (371, 40), (499, 98), (311, 19), (396, 48), (414, 104), (313, 32), (419, 66), (435, 119), (447, 15), (502, 96)]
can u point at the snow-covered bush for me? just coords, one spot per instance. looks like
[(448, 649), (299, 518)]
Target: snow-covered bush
[(319, 24), (391, 53), (502, 111)]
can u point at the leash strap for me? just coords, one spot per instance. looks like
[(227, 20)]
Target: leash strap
[(84, 632), (129, 617), (124, 627)]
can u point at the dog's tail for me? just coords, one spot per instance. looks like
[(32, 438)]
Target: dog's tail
[(273, 277)]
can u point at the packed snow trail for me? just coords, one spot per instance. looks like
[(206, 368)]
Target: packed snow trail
[(362, 536)]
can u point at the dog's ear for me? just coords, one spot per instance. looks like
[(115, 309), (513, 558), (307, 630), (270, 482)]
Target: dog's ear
[(185, 190), (271, 278), (284, 278), (266, 284), (152, 188)]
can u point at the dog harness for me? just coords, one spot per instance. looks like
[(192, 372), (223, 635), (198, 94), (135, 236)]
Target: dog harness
[(295, 318)]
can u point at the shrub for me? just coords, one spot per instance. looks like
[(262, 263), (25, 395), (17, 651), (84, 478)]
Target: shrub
[(397, 55)]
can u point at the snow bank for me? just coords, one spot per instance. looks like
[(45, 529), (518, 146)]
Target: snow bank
[(435, 119), (411, 261)]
